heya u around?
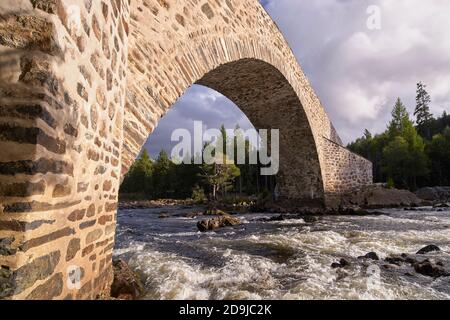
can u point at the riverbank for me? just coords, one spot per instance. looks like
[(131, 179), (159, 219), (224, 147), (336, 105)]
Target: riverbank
[(151, 204), (373, 197)]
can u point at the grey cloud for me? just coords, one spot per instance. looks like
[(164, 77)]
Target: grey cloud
[(358, 73)]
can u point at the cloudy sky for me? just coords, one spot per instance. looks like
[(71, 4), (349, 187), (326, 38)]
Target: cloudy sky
[(357, 71)]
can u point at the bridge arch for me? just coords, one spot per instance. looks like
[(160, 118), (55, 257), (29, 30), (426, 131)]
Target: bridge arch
[(269, 101), (83, 85), (229, 46)]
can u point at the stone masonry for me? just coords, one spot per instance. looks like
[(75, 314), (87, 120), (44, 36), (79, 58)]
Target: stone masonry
[(82, 85)]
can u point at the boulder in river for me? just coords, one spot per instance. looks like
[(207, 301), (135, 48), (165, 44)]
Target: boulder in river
[(214, 212), (434, 193), (392, 198), (431, 269), (127, 284), (192, 215), (216, 223), (375, 197), (442, 205), (350, 211), (409, 258), (271, 219), (370, 256), (341, 264), (395, 260), (276, 218), (428, 249), (400, 259), (309, 219)]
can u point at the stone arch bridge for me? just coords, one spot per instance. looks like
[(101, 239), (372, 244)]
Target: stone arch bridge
[(82, 85)]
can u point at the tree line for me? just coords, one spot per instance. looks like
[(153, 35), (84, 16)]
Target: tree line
[(168, 178), (410, 153)]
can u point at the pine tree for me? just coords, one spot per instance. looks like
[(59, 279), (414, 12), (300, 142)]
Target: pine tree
[(162, 175), (224, 138), (439, 152), (400, 119), (404, 158), (422, 111), (239, 144), (139, 177)]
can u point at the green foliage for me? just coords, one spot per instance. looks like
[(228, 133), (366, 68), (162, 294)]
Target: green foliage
[(163, 177), (139, 177), (198, 195), (166, 178), (404, 159), (220, 177), (404, 156), (390, 183), (439, 152), (409, 156), (224, 138), (436, 126), (371, 147), (422, 111), (404, 162), (400, 120)]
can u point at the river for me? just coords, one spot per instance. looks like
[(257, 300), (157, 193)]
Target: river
[(288, 259)]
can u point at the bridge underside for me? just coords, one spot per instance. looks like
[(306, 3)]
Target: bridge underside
[(83, 84), (269, 102)]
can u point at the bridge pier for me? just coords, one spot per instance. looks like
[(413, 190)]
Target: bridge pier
[(63, 76), (345, 172)]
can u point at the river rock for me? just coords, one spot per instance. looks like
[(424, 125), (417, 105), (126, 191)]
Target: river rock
[(392, 198), (154, 204), (370, 256), (216, 223), (400, 259), (275, 218), (214, 212), (409, 258), (431, 269), (373, 197), (335, 265), (192, 215), (341, 264), (442, 205), (309, 219), (434, 193), (127, 284), (394, 260), (428, 249), (348, 211)]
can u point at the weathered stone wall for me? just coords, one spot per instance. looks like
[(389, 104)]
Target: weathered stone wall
[(346, 172), (62, 92), (76, 108)]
